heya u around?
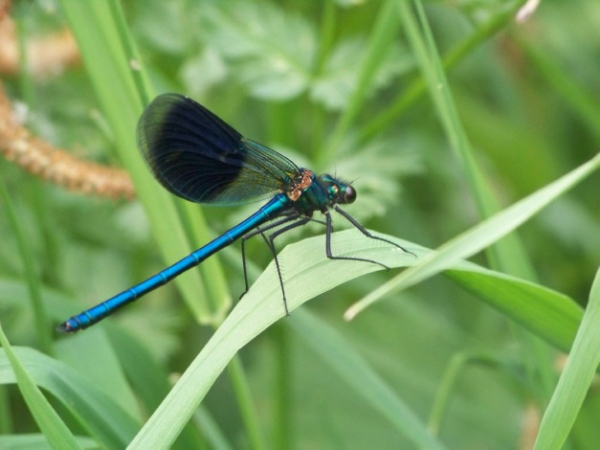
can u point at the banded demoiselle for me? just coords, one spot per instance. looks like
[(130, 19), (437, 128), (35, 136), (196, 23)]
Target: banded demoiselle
[(197, 156)]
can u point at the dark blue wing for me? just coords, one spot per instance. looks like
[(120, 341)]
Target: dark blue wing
[(197, 156)]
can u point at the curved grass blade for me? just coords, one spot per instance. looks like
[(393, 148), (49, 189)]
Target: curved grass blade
[(576, 378), (55, 430), (361, 378), (94, 410), (259, 308), (478, 237), (549, 312)]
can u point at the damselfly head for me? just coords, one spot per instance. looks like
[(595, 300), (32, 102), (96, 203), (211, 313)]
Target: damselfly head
[(338, 191)]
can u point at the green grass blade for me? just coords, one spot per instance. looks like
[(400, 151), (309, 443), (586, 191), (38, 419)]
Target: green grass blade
[(148, 378), (259, 308), (479, 237), (38, 307), (521, 99), (90, 406), (100, 38), (417, 88), (211, 432), (549, 314), (581, 101), (262, 306), (245, 403), (92, 357), (55, 430), (36, 442), (509, 256), (381, 38), (576, 379), (456, 367), (352, 369), (421, 40)]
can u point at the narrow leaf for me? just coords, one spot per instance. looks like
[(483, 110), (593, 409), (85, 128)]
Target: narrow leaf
[(575, 381), (478, 237), (55, 430)]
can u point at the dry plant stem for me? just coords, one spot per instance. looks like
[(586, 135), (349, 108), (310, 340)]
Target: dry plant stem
[(45, 55), (49, 55), (55, 165)]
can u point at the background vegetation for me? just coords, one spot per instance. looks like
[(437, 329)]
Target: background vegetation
[(352, 88)]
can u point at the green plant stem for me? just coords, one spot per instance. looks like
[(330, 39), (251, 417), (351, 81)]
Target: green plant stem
[(245, 403), (140, 78), (42, 325), (107, 46), (380, 40), (326, 40), (417, 88), (582, 102), (421, 40), (101, 35), (458, 363), (282, 436), (213, 435), (507, 255), (327, 35)]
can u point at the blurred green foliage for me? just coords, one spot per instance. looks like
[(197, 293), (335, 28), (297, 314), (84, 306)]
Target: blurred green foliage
[(286, 73)]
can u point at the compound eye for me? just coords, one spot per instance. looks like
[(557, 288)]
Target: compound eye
[(350, 195)]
